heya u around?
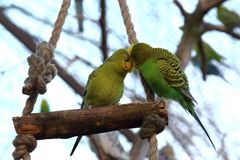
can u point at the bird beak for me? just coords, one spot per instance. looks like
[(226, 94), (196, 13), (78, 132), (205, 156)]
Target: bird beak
[(130, 49), (128, 65)]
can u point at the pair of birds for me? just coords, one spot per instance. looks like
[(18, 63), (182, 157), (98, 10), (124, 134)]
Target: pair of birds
[(160, 68)]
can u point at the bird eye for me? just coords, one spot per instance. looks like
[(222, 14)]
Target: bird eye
[(127, 60)]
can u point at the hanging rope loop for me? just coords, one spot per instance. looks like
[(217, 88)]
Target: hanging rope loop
[(41, 71), (152, 124), (24, 144)]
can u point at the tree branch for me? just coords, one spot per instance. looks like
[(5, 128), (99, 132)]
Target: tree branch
[(79, 13), (206, 5), (68, 123), (139, 149), (102, 23), (69, 32), (211, 27), (99, 151), (131, 137), (182, 10)]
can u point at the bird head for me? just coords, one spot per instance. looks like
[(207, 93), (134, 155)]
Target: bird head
[(122, 59), (139, 53)]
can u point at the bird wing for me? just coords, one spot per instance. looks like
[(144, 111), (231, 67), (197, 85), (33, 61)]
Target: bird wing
[(172, 71), (90, 77), (170, 68)]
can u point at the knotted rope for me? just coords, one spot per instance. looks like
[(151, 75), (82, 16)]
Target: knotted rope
[(152, 125), (24, 143), (41, 71), (150, 95)]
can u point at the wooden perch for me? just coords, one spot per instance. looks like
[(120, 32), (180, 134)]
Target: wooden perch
[(69, 123)]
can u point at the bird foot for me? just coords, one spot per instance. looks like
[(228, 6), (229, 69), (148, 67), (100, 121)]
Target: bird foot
[(90, 107), (156, 103), (137, 102)]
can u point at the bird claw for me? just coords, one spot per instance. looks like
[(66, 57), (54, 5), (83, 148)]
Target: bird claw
[(156, 103), (90, 107), (137, 102)]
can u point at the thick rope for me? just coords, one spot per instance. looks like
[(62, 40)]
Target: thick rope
[(24, 143), (59, 23), (132, 38), (152, 154), (152, 125), (41, 71)]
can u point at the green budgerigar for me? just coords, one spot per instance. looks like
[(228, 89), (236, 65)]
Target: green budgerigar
[(44, 106), (106, 83), (229, 18), (211, 55), (163, 73)]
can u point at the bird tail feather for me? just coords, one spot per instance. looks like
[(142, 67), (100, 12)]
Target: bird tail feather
[(189, 106), (75, 144)]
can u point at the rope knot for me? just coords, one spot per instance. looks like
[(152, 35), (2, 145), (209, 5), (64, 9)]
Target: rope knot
[(41, 71), (51, 72), (24, 144), (45, 50), (152, 124)]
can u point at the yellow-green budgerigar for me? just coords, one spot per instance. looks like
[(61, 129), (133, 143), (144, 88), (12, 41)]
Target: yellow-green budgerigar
[(106, 83), (44, 106), (164, 75), (229, 18)]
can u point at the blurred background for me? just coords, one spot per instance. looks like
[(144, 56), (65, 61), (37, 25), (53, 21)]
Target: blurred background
[(92, 31)]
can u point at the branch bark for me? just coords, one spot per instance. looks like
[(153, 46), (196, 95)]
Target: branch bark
[(99, 149), (102, 23), (205, 5), (211, 27), (69, 123), (131, 137), (182, 10), (79, 13)]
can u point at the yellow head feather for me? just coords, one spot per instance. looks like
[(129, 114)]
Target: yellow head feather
[(130, 48)]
